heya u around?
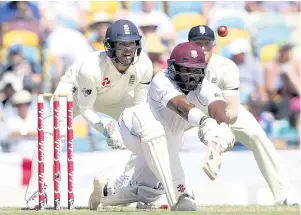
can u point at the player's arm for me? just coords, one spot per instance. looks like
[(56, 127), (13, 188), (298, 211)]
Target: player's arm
[(216, 108), (86, 98), (180, 105), (231, 92), (140, 92)]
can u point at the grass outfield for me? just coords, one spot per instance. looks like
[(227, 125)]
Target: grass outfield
[(218, 210)]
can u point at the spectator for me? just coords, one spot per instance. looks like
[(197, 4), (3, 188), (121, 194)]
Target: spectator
[(66, 45), (10, 83), (156, 51), (19, 9), (22, 127), (165, 30), (282, 76), (99, 25), (71, 13), (18, 65), (273, 6), (251, 76)]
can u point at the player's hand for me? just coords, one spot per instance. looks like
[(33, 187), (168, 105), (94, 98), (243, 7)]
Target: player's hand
[(226, 137), (208, 130), (114, 144), (114, 139)]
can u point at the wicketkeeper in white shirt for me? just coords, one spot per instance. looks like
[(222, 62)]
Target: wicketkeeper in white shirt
[(106, 82)]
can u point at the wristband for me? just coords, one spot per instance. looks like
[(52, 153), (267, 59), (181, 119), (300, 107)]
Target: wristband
[(196, 116)]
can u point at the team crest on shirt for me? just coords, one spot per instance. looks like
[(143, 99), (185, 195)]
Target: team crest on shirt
[(194, 53), (86, 92), (132, 80)]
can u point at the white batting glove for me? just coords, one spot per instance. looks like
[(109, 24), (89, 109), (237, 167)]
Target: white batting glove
[(226, 137), (208, 130)]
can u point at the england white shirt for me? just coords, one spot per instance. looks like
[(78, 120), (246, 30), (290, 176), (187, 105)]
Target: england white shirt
[(100, 84), (162, 90), (223, 72)]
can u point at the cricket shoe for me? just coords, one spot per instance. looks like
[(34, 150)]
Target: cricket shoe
[(33, 202), (100, 190), (185, 203), (290, 201)]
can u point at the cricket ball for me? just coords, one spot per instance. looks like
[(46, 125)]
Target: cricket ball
[(222, 31)]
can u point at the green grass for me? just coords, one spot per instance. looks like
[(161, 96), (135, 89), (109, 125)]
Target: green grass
[(217, 210)]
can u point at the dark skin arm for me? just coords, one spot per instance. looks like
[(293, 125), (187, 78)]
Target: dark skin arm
[(217, 109)]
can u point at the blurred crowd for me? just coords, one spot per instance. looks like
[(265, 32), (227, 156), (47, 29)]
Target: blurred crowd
[(39, 41)]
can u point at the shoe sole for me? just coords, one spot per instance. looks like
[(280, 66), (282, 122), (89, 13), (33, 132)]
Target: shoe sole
[(97, 194)]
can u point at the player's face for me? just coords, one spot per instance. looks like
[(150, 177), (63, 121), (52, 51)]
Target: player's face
[(125, 51), (190, 77), (207, 46)]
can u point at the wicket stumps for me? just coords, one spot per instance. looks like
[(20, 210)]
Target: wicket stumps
[(56, 151)]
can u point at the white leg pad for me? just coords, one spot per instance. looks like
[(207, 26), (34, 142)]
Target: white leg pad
[(164, 163)]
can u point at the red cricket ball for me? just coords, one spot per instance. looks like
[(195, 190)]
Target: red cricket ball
[(222, 31)]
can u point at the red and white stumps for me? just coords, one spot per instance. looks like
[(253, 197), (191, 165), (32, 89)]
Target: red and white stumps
[(56, 150), (70, 157), (41, 152)]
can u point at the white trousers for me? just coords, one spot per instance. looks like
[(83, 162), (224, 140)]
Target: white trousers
[(248, 132)]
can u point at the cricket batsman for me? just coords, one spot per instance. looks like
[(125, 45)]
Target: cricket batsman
[(107, 82), (179, 98)]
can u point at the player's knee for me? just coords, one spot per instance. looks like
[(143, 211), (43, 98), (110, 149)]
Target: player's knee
[(146, 125), (130, 140)]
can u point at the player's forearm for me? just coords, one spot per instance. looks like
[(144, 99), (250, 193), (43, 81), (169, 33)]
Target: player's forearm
[(181, 106), (232, 110), (217, 110), (93, 119)]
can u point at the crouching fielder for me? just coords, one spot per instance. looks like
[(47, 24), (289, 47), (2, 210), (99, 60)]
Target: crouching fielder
[(154, 130), (107, 82)]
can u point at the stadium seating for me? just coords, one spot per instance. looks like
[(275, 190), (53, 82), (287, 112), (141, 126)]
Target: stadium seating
[(110, 7), (268, 52), (176, 7), (26, 38), (136, 6), (181, 20), (266, 20), (233, 34), (270, 35), (231, 22)]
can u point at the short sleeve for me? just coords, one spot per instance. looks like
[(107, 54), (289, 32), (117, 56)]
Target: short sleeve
[(86, 88), (162, 89), (140, 92), (230, 77), (209, 93)]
